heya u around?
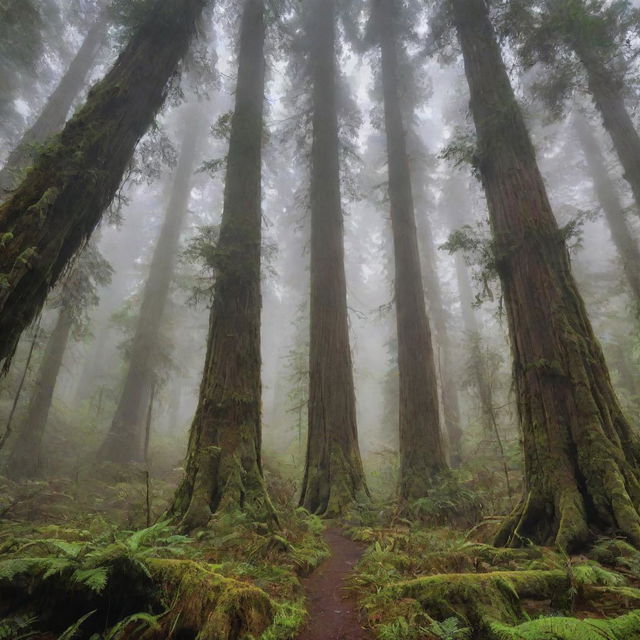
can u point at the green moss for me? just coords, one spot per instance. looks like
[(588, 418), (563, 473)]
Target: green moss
[(208, 604), (472, 596), (623, 628)]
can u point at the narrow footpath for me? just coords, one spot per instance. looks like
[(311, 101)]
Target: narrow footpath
[(333, 613)]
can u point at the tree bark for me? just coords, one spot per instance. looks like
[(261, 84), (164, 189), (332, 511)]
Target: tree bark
[(609, 199), (581, 455), (56, 110), (25, 460), (61, 200), (422, 452), (333, 476), (223, 467), (124, 442)]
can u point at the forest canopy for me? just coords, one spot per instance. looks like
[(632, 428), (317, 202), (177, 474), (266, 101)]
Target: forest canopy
[(320, 319)]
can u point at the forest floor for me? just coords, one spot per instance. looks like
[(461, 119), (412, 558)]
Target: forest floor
[(333, 612), (78, 561)]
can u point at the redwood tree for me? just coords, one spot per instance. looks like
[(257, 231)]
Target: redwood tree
[(422, 454), (333, 476), (223, 461), (125, 439), (581, 454), (76, 175)]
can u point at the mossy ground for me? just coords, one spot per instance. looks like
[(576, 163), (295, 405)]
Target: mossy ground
[(235, 579), (418, 583)]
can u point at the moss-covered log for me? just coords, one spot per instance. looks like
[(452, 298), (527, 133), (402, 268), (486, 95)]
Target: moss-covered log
[(76, 175), (482, 596), (333, 476), (223, 459), (581, 454), (205, 605)]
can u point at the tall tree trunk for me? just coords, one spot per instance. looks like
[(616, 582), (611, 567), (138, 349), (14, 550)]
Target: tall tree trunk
[(223, 460), (124, 442), (25, 459), (61, 200), (422, 453), (56, 110), (333, 475), (607, 90), (609, 199), (450, 401), (581, 455)]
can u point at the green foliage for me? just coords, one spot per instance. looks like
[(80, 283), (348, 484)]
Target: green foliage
[(18, 628), (90, 563), (449, 629), (593, 574), (480, 251), (448, 502), (74, 629), (463, 150), (287, 622), (624, 628)]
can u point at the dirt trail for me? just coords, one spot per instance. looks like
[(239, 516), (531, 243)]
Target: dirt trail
[(333, 613)]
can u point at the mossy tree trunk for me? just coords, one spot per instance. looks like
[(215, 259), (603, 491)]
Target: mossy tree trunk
[(609, 199), (125, 439), (422, 452), (223, 460), (56, 109), (75, 177), (581, 455), (333, 475), (25, 460)]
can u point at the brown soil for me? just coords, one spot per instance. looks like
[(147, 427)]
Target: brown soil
[(333, 613)]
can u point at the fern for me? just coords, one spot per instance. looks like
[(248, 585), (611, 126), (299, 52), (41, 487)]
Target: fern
[(146, 620), (95, 579), (74, 629)]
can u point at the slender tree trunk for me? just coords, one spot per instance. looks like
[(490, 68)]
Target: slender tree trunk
[(25, 459), (333, 477), (61, 200), (56, 110), (607, 90), (223, 460), (124, 442), (450, 404), (422, 453), (581, 455), (14, 405), (609, 199)]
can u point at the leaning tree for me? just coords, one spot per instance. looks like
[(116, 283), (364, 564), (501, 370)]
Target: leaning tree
[(77, 173)]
